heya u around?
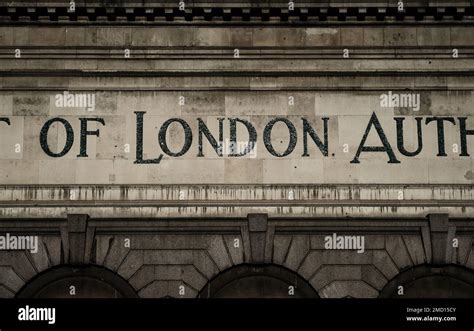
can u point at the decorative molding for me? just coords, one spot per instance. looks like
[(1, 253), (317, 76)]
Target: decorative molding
[(157, 201), (439, 226), (76, 239), (258, 225), (235, 13)]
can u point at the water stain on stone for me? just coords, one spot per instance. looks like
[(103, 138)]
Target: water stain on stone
[(469, 175), (425, 105), (30, 105)]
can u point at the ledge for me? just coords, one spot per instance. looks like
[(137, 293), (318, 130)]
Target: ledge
[(236, 12), (145, 201)]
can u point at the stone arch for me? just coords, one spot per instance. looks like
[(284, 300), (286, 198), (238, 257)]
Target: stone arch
[(257, 281), (90, 281), (426, 281)]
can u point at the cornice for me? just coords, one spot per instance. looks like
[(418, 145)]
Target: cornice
[(236, 12)]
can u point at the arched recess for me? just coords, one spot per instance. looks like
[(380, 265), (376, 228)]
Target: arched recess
[(427, 281), (88, 281), (257, 281)]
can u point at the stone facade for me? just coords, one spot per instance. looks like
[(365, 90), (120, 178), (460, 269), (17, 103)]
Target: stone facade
[(116, 219)]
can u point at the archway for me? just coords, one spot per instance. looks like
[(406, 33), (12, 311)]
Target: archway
[(87, 281), (432, 282), (258, 281)]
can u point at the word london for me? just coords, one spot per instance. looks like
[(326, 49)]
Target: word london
[(319, 140)]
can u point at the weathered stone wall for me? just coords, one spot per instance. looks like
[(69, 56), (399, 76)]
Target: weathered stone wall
[(198, 64), (168, 253), (189, 219), (110, 161)]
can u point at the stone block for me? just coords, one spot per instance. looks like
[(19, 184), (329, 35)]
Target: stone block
[(17, 171), (41, 260), (6, 36), (64, 171), (328, 274), (117, 253), (111, 141), (187, 172), (298, 249), (6, 104), (31, 104), (451, 103), (168, 256), (52, 247), (203, 263), (241, 37), (384, 263), (373, 36), (461, 36), (311, 263), (341, 171), (160, 289), (114, 36), (281, 245), (143, 277), (20, 263), (236, 253), (396, 247), (255, 103), (403, 36), (373, 242), (11, 138), (21, 35), (352, 36), (76, 36), (461, 254), (170, 241), (211, 37), (6, 293), (240, 171), (131, 264), (187, 274), (352, 289), (372, 276), (218, 253), (94, 171), (322, 37), (281, 37), (10, 279), (46, 36), (433, 36), (459, 171), (414, 245)]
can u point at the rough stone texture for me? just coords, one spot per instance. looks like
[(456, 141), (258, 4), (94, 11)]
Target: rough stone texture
[(117, 253), (397, 249), (298, 249), (348, 114), (349, 289), (184, 215), (236, 253), (218, 252), (131, 264), (156, 265), (10, 280)]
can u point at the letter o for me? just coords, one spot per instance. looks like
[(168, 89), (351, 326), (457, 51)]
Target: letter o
[(267, 136), (188, 137), (44, 137)]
